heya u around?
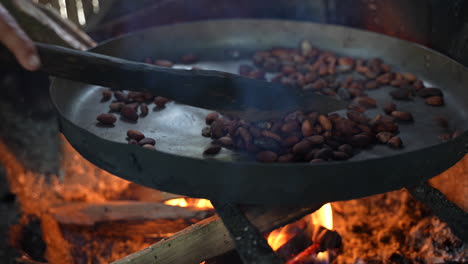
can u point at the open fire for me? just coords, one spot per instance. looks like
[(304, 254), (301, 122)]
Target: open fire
[(86, 215)]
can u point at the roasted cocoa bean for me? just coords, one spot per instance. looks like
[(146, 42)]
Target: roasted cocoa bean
[(147, 141), (370, 74), (307, 128), (334, 116), (316, 140), (302, 147), (310, 77), (409, 76), (257, 74), (129, 112), (133, 105), (218, 129), (333, 143), (364, 128), (266, 156), (135, 134), (384, 126), (149, 147), (384, 137), (163, 63), (254, 131), (434, 100), (346, 148), (272, 135), (401, 94), (244, 134), (441, 121), (385, 67), (372, 85), (189, 58), (120, 96), (265, 143), (106, 119), (132, 142), (418, 85), (355, 92), (211, 117), (389, 107), (106, 95), (356, 107), (356, 85), (291, 141), (366, 101), (226, 142), (286, 158), (357, 117), (428, 92), (212, 150), (289, 127), (346, 61), (344, 127), (396, 83), (161, 101), (276, 127), (360, 140), (325, 122), (402, 116), (206, 132), (310, 155), (116, 107), (143, 109), (338, 155), (385, 78), (395, 142), (317, 85), (324, 154)]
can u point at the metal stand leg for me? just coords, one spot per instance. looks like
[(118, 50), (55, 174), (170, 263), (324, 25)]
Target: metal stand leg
[(250, 244)]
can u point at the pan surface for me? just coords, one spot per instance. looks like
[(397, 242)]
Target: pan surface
[(179, 166)]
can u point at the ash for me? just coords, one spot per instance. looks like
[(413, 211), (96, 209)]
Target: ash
[(394, 228)]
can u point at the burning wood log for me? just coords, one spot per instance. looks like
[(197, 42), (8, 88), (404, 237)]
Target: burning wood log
[(210, 238), (89, 214)]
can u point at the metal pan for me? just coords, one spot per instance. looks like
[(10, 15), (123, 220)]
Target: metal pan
[(179, 166)]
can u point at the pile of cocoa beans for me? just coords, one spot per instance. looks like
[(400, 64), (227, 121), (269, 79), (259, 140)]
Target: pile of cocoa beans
[(315, 137)]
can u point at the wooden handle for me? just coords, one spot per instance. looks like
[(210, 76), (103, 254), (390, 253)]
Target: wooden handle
[(201, 88)]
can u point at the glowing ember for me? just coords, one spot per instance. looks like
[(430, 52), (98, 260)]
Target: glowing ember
[(190, 202)]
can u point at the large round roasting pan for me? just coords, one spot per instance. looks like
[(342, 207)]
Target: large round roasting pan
[(179, 166)]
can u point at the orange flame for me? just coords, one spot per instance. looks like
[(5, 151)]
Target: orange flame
[(279, 237), (323, 217), (190, 202)]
